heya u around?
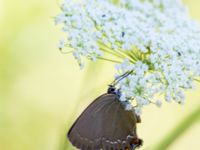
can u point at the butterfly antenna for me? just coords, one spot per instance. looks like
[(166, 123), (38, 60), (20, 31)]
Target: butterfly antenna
[(119, 78)]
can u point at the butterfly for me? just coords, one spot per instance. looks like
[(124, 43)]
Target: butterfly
[(106, 125)]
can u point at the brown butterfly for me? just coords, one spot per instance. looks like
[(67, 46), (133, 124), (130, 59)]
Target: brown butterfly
[(106, 125)]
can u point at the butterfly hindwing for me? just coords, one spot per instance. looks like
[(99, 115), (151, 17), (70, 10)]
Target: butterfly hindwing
[(104, 124)]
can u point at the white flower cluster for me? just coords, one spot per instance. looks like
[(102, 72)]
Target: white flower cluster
[(155, 39)]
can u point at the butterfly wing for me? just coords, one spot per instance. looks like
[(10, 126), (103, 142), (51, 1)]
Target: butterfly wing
[(104, 124)]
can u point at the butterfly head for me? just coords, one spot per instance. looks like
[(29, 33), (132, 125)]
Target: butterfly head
[(112, 90)]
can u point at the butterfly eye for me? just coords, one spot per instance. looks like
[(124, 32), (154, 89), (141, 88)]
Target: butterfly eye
[(112, 89)]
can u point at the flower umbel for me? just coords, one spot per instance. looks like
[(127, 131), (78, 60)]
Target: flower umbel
[(155, 39)]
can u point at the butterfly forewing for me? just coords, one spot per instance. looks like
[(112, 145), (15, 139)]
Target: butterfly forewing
[(104, 124)]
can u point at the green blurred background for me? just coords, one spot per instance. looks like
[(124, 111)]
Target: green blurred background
[(43, 91)]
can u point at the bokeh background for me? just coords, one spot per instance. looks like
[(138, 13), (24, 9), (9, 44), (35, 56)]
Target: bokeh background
[(43, 91)]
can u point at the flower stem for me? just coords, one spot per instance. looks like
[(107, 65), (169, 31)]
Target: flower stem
[(168, 140), (114, 61), (198, 80), (116, 1), (107, 50)]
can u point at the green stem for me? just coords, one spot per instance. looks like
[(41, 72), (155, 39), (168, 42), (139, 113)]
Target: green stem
[(130, 57), (197, 80), (107, 50), (63, 52), (168, 140), (116, 1), (111, 60)]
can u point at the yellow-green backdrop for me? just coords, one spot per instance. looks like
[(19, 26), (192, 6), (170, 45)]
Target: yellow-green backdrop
[(42, 91)]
